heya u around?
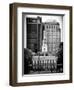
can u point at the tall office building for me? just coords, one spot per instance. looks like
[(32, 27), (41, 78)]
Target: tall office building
[(53, 36), (34, 33)]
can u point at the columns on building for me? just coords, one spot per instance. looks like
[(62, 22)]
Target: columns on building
[(40, 64)]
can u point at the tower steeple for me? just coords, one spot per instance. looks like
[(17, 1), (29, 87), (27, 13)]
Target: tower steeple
[(44, 42)]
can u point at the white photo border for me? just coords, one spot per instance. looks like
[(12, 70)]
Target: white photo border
[(66, 36)]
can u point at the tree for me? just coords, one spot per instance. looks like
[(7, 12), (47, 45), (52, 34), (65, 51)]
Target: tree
[(27, 60), (60, 57)]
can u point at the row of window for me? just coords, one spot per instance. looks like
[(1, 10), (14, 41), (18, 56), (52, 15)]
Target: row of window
[(53, 37), (53, 50), (53, 61), (51, 26), (53, 41)]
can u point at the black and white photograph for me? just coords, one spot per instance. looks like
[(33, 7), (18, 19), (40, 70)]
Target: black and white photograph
[(42, 43)]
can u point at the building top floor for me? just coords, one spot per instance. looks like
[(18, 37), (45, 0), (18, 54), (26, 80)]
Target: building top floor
[(50, 24)]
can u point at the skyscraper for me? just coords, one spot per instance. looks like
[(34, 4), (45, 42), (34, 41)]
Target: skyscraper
[(53, 36), (34, 31)]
